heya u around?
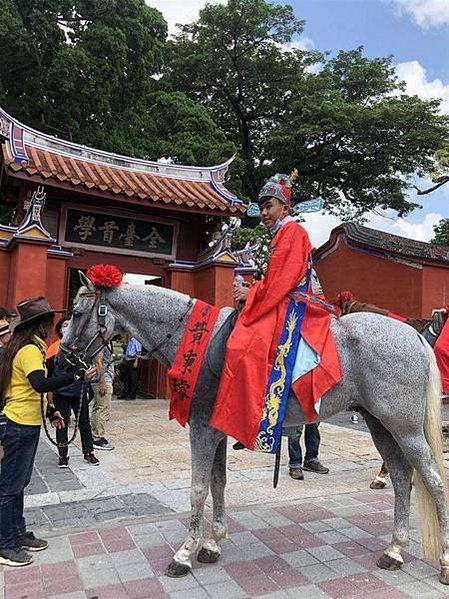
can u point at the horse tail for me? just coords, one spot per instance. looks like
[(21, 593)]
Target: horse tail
[(430, 530)]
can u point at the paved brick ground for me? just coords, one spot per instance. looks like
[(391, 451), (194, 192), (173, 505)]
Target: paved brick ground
[(114, 528), (326, 547)]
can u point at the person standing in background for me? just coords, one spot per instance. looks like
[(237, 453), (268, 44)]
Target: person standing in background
[(131, 373), (103, 389), (71, 398), (23, 387)]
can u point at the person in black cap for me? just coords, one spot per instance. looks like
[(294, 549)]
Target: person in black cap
[(23, 382)]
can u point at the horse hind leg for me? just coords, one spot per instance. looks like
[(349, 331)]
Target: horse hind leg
[(210, 550), (401, 478), (203, 443), (432, 501), (423, 448)]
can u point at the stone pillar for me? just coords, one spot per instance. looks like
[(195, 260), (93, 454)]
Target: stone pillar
[(214, 283), (28, 269)]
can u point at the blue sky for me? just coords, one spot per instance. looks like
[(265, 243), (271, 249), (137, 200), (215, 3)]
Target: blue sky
[(415, 32)]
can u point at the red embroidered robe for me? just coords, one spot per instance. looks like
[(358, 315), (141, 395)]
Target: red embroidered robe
[(252, 345)]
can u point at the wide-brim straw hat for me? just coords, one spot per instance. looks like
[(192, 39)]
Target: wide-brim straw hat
[(33, 309)]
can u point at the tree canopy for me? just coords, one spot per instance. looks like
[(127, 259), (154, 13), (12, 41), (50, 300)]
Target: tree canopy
[(102, 73), (88, 71), (441, 231), (344, 122)]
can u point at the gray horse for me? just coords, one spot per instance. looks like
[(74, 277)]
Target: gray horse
[(390, 373)]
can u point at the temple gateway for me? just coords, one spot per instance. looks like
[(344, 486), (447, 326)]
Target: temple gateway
[(76, 206)]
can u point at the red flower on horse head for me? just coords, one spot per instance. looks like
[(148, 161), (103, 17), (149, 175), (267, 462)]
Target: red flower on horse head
[(105, 276)]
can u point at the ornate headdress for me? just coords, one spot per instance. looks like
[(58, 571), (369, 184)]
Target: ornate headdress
[(280, 187)]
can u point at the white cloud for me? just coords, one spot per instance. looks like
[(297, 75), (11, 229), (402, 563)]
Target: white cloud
[(320, 225), (300, 43), (415, 77), (426, 13), (180, 11)]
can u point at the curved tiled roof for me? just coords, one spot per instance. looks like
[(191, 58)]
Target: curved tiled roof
[(386, 242), (34, 154)]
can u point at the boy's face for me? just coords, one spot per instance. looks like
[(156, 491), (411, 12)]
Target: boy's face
[(271, 211)]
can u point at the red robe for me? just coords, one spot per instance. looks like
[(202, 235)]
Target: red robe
[(252, 346), (441, 349)]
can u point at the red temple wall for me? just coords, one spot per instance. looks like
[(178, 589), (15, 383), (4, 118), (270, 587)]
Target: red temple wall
[(57, 276), (29, 261), (4, 277), (435, 290), (373, 279)]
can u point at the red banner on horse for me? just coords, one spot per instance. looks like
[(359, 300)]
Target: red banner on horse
[(186, 367)]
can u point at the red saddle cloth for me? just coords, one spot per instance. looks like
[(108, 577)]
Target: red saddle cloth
[(183, 375)]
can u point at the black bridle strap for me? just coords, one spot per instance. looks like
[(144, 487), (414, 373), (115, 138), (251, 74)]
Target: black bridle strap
[(80, 358)]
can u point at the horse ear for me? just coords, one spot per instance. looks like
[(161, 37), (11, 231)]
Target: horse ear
[(85, 281)]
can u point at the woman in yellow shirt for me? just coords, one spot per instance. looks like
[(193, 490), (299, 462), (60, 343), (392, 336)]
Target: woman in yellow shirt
[(23, 379)]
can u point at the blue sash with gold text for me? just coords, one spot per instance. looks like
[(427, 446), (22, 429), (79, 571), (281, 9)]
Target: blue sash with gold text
[(280, 379)]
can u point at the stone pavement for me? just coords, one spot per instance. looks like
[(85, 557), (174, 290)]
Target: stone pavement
[(114, 528), (152, 458), (325, 547)]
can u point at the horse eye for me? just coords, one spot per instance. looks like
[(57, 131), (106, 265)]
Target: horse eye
[(76, 314)]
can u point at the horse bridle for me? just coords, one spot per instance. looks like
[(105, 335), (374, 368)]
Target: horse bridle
[(77, 358), (80, 358)]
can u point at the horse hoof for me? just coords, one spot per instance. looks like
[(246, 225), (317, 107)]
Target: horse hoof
[(444, 576), (177, 570), (386, 562), (206, 556), (377, 484)]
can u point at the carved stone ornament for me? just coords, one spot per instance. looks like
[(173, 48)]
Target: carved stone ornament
[(4, 126)]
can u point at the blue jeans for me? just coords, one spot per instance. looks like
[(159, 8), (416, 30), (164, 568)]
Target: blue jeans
[(19, 444), (312, 442)]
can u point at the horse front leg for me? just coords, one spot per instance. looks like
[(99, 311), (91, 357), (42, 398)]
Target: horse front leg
[(380, 480), (203, 443), (210, 549)]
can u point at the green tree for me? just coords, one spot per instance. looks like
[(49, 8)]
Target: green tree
[(232, 61), (439, 173), (356, 138), (173, 126), (76, 68), (88, 71), (441, 231), (346, 124)]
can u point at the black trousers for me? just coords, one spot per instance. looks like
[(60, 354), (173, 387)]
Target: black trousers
[(65, 404), (131, 380)]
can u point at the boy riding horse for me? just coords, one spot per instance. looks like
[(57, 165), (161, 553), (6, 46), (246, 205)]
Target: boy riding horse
[(280, 321)]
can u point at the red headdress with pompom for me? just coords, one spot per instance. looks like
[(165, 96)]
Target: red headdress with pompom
[(105, 276)]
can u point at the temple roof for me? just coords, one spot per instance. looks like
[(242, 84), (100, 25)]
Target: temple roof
[(49, 160), (385, 243)]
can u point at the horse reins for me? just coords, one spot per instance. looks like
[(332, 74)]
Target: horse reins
[(75, 429)]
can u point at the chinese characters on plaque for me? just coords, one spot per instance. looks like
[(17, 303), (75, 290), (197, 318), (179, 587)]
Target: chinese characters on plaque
[(119, 232)]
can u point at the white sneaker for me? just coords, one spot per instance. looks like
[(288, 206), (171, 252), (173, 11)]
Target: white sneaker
[(354, 419)]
